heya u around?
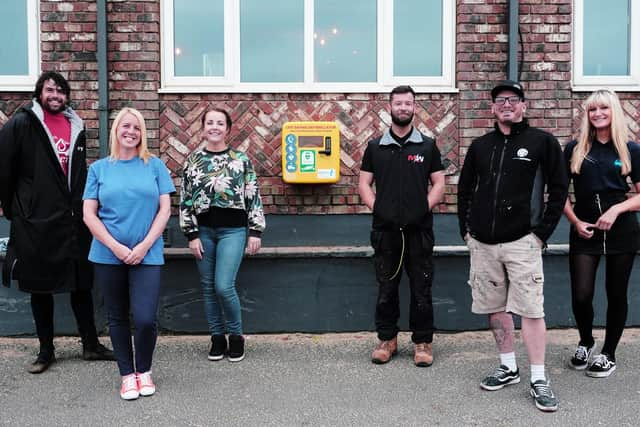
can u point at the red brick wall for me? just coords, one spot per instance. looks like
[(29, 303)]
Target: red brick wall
[(258, 120), (69, 45)]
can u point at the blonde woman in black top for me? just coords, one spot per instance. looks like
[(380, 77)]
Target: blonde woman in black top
[(601, 162)]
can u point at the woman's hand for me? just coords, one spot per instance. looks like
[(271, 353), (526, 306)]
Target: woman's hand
[(253, 245), (121, 252), (195, 246), (137, 254), (605, 222), (584, 229)]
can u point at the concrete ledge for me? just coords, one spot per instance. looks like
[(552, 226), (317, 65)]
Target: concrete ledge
[(343, 251), (348, 251)]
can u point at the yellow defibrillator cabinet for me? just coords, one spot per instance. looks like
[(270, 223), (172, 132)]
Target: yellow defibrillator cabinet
[(310, 152)]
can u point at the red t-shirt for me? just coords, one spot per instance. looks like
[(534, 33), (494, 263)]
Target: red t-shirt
[(60, 128)]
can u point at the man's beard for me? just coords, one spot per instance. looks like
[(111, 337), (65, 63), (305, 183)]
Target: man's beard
[(45, 106), (401, 122)]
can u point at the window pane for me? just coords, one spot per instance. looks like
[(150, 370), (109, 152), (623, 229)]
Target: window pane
[(271, 41), (14, 48), (199, 37), (417, 38), (606, 40), (345, 41)]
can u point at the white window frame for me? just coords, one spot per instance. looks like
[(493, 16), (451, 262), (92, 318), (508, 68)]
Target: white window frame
[(230, 82), (25, 82), (628, 83)]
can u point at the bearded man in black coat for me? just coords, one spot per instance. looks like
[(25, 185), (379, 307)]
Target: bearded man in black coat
[(42, 177)]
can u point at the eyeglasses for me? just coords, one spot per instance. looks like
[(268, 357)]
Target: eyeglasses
[(501, 100)]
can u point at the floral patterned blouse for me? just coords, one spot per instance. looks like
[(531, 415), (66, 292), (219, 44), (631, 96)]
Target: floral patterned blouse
[(219, 180)]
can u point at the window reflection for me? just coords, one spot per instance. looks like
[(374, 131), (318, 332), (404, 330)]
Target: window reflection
[(271, 41), (345, 41), (417, 38), (606, 41), (13, 33), (198, 37)]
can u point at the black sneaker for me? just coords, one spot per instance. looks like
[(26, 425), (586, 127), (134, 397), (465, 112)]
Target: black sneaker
[(500, 378), (218, 347), (581, 357), (97, 352), (543, 396), (42, 362), (601, 367), (236, 348)]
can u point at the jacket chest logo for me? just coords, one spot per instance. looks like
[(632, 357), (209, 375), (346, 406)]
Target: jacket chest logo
[(415, 158), (521, 154)]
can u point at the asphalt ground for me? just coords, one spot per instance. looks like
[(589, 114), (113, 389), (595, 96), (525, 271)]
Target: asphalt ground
[(316, 380)]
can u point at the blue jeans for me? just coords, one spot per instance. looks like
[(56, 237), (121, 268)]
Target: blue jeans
[(135, 287), (223, 252)]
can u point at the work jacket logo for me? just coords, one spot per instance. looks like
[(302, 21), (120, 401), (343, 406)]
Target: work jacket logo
[(522, 155), (415, 158)]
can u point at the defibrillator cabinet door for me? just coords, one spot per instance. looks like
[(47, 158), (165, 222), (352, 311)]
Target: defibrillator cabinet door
[(310, 152)]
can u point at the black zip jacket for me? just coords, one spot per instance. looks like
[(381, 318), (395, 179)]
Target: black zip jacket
[(502, 185)]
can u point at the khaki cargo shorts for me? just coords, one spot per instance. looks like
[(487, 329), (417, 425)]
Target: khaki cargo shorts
[(507, 277)]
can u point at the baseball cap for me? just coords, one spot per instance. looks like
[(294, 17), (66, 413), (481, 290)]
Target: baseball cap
[(511, 85)]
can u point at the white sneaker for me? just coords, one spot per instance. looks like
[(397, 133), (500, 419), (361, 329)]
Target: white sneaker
[(145, 384), (129, 389)]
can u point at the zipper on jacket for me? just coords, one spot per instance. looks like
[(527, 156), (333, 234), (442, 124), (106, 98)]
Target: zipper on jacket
[(495, 191), (604, 237)]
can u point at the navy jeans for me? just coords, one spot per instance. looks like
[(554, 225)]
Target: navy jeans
[(416, 256), (135, 288), (223, 252)]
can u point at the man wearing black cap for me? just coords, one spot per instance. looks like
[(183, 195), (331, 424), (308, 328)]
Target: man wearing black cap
[(505, 221)]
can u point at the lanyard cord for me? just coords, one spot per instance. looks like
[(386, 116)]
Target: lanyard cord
[(401, 257)]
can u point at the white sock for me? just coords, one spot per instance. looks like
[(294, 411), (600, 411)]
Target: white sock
[(537, 373), (509, 360)]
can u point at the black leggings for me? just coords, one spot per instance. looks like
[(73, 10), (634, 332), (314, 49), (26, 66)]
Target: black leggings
[(82, 306), (583, 269)]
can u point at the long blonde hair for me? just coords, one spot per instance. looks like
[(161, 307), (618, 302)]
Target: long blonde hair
[(143, 150), (620, 134)]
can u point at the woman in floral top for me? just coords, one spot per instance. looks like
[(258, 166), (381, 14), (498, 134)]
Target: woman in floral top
[(219, 202)]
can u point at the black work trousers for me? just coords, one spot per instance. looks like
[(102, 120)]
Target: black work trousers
[(82, 306), (413, 251)]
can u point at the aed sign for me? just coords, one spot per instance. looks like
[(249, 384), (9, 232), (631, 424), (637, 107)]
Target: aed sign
[(310, 152)]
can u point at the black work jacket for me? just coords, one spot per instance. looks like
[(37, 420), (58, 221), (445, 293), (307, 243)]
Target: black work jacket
[(503, 182)]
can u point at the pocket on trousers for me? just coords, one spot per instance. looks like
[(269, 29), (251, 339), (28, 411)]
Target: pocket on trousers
[(427, 242), (485, 292), (376, 240)]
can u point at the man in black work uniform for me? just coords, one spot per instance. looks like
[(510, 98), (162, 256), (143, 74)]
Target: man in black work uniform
[(402, 163)]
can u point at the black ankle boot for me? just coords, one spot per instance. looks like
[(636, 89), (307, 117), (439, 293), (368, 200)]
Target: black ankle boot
[(97, 352), (236, 348), (45, 358), (218, 347)]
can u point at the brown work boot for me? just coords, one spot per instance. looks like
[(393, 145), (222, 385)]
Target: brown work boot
[(423, 355), (384, 351)]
